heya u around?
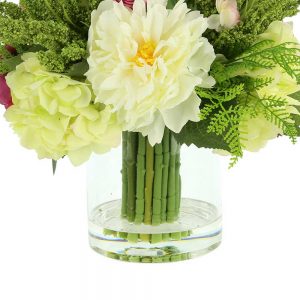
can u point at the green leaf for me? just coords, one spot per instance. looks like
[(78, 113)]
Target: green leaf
[(171, 4), (196, 133), (11, 63), (297, 123), (296, 118), (295, 95), (84, 3), (78, 70), (54, 165)]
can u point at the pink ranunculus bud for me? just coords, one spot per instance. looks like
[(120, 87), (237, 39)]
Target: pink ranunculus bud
[(229, 13), (127, 3), (5, 96)]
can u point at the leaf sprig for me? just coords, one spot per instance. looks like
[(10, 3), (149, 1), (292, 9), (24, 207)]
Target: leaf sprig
[(58, 29), (237, 96)]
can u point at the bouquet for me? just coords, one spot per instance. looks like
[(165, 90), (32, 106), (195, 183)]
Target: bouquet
[(86, 76)]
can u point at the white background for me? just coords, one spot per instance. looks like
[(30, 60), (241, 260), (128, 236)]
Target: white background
[(44, 252)]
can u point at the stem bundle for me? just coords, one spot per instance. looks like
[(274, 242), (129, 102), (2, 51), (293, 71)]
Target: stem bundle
[(151, 191)]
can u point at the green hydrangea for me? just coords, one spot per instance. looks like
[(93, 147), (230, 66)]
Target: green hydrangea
[(55, 115), (92, 131)]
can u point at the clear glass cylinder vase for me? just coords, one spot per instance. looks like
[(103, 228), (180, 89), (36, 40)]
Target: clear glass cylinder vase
[(154, 204)]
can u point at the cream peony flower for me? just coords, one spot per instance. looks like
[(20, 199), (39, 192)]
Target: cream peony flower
[(145, 63), (53, 114)]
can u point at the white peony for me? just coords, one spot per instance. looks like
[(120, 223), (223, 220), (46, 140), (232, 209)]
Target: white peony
[(146, 62)]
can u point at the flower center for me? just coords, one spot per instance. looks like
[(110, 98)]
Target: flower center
[(145, 54)]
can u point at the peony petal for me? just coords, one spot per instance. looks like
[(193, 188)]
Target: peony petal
[(214, 22), (178, 116), (155, 133)]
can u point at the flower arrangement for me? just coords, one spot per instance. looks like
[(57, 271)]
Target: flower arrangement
[(85, 76)]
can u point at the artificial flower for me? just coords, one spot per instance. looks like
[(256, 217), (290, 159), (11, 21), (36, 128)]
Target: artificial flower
[(145, 63), (10, 49), (47, 109), (127, 3), (95, 130), (5, 96), (256, 132), (259, 130), (229, 15), (280, 32), (282, 85)]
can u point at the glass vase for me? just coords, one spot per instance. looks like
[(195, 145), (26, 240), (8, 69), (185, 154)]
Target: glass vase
[(154, 204)]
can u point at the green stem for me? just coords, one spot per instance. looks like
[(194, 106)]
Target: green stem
[(140, 186), (165, 175), (151, 192), (124, 175), (178, 182), (171, 205), (131, 173), (158, 170), (149, 183)]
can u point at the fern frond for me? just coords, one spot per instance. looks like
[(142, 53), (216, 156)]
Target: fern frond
[(256, 84), (259, 46), (286, 56), (275, 111), (274, 101), (224, 92)]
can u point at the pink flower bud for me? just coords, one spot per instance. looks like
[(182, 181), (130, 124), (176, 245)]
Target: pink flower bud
[(229, 13), (127, 3), (10, 49), (5, 96)]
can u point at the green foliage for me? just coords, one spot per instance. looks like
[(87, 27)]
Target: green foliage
[(10, 64), (274, 110), (235, 97), (262, 55), (171, 4), (256, 16), (78, 70), (224, 115), (196, 133), (58, 27), (10, 10), (296, 117), (206, 7), (296, 95)]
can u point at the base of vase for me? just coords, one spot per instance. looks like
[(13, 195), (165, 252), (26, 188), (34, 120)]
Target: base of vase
[(196, 232)]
